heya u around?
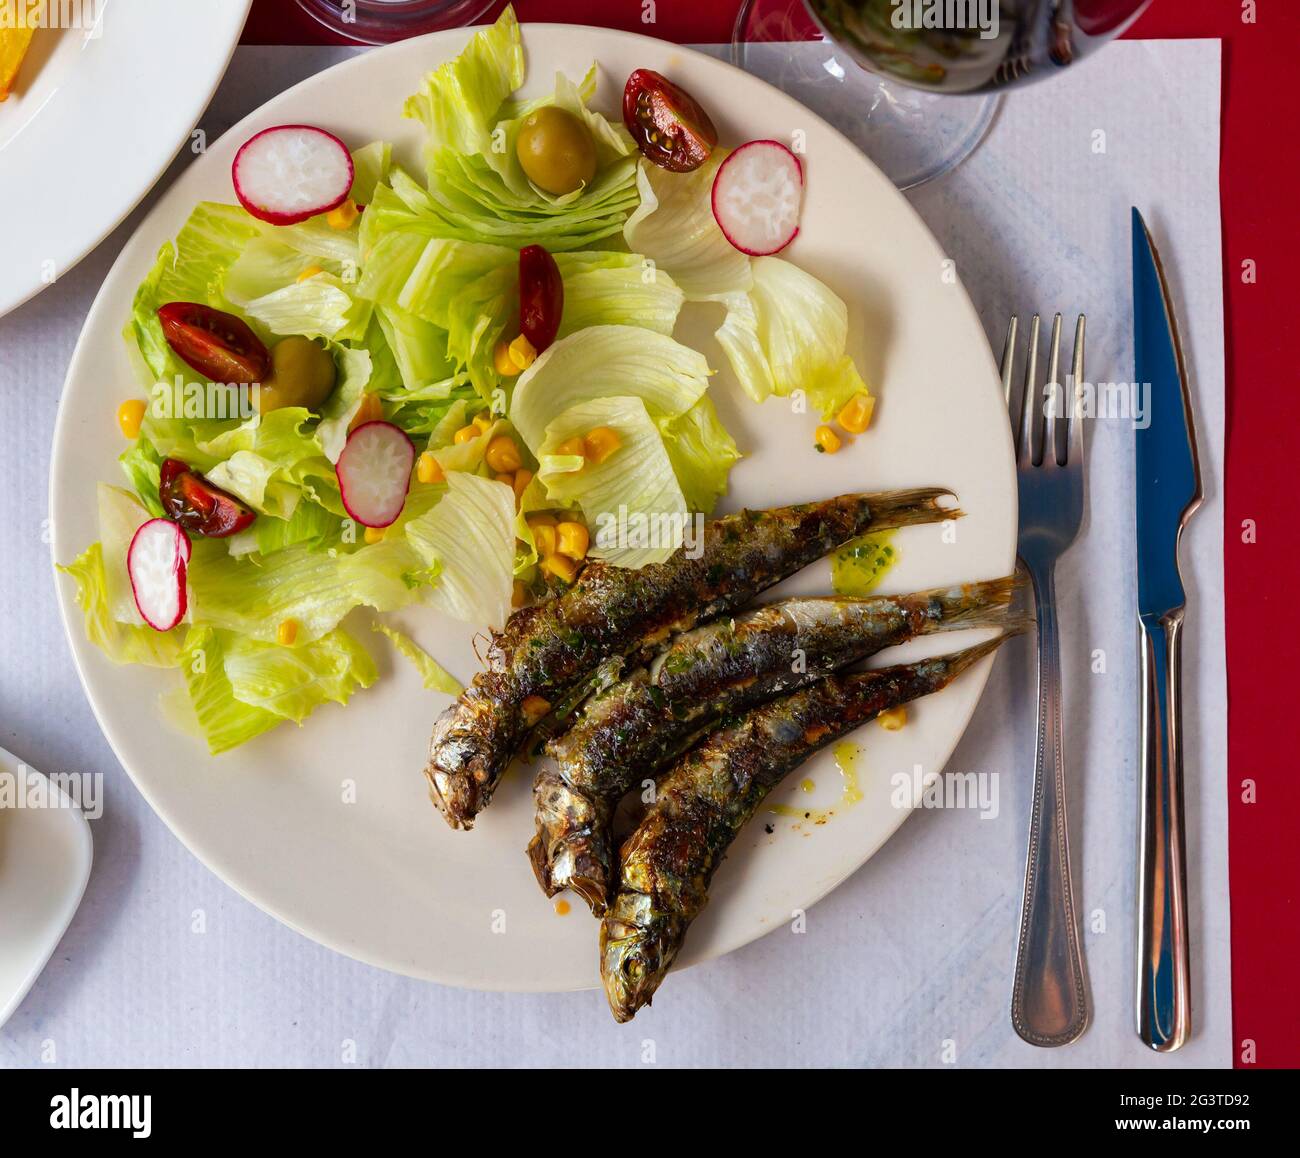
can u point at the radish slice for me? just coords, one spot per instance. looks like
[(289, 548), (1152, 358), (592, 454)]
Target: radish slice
[(756, 197), (292, 172), (156, 563), (375, 473)]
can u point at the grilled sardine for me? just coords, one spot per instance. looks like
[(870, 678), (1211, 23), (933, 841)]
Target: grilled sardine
[(706, 797), (628, 731), (546, 651)]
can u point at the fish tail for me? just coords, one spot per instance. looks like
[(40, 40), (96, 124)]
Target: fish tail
[(959, 661), (967, 605), (909, 508)]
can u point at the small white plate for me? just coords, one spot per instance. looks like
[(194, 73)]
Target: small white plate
[(45, 855), (96, 115)]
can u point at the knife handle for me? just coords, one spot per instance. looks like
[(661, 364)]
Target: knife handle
[(1164, 1015)]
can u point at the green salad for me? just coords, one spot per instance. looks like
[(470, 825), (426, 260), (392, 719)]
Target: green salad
[(365, 386)]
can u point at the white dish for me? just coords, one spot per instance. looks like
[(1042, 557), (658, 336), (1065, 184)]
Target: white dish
[(383, 879), (97, 115), (45, 856)]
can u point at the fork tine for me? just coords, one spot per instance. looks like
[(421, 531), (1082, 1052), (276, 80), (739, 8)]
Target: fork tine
[(1052, 399), (1008, 360), (1074, 453), (1029, 413)]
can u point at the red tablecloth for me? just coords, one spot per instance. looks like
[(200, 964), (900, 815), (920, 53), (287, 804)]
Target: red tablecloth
[(1258, 174)]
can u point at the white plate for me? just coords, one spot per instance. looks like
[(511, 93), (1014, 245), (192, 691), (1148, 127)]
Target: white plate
[(45, 855), (97, 115), (383, 879)]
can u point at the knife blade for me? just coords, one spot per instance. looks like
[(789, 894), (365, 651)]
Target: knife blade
[(1168, 491)]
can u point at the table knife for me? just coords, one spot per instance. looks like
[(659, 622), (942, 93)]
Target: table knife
[(1168, 492)]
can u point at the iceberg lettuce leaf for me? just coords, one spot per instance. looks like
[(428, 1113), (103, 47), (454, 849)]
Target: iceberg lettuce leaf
[(434, 676), (674, 227), (790, 333), (633, 490), (292, 682), (469, 535), (121, 642)]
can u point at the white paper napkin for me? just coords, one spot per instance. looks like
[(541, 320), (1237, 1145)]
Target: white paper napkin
[(908, 962)]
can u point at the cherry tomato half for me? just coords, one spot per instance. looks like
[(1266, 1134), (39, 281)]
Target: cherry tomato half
[(667, 123), (541, 296), (195, 504), (218, 345)]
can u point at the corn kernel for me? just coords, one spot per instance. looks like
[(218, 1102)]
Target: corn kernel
[(534, 708), (522, 479), (502, 360), (541, 519), (370, 410), (466, 434), (522, 352), (572, 540), (561, 566), (519, 596), (892, 719), (344, 215), (503, 454), (484, 422), (374, 534), (601, 443), (129, 416), (572, 445), (429, 470), (856, 415), (310, 272), (545, 539), (827, 439), (503, 477), (287, 632)]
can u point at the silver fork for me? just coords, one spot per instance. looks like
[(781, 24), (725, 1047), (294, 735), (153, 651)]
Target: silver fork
[(1049, 1000)]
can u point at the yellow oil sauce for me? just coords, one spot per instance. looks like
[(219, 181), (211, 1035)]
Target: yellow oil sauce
[(859, 566), (846, 755)]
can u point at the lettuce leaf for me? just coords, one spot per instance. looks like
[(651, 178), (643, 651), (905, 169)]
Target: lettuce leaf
[(602, 289), (674, 227), (370, 165), (271, 461), (223, 721), (458, 101), (469, 535), (292, 682), (667, 376), (121, 642), (476, 187), (702, 453), (435, 677), (253, 596), (635, 484), (323, 306), (790, 333), (191, 269)]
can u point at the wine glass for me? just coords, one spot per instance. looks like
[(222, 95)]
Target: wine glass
[(383, 21), (916, 83)]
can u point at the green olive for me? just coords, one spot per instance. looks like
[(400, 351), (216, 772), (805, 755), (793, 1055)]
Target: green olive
[(302, 374), (556, 150)]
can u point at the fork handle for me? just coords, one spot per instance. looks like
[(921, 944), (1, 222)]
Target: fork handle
[(1164, 1019), (1049, 1000)]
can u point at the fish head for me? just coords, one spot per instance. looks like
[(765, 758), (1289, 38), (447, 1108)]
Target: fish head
[(636, 949)]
